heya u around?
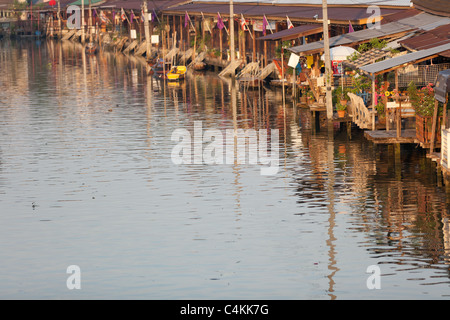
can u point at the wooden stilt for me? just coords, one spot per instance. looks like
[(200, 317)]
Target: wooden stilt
[(433, 126)]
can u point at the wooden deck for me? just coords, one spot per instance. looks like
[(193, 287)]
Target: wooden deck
[(390, 137)]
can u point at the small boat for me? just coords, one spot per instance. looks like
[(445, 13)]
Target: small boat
[(91, 48), (158, 68), (176, 73)]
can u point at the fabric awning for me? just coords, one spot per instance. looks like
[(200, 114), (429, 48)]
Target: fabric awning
[(296, 32)]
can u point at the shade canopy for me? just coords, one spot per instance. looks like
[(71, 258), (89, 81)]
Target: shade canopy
[(340, 53)]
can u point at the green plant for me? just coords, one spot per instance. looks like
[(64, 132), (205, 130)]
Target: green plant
[(341, 107), (422, 99), (380, 108)]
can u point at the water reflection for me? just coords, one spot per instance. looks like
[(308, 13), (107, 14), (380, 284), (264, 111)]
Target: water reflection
[(87, 138)]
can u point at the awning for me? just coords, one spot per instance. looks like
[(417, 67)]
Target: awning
[(296, 32), (404, 60), (422, 21)]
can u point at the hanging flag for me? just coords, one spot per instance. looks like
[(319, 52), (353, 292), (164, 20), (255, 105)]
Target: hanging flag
[(142, 15), (154, 15), (131, 16), (123, 16), (94, 13), (206, 23), (186, 20), (243, 22), (103, 17), (220, 23), (350, 27), (289, 23), (244, 25), (265, 24)]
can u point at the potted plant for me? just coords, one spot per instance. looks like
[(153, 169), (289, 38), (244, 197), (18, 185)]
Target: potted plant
[(310, 96), (422, 100), (303, 96), (341, 108)]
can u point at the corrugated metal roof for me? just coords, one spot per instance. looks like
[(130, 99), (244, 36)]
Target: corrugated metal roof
[(404, 59), (295, 13), (157, 5), (433, 6), (433, 38), (403, 3), (300, 31), (419, 21)]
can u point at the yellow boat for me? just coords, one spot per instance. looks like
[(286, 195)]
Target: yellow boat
[(176, 73)]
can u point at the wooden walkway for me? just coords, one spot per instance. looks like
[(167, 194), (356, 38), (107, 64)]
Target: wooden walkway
[(390, 137)]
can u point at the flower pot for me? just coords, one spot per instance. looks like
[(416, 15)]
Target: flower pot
[(344, 102), (341, 113)]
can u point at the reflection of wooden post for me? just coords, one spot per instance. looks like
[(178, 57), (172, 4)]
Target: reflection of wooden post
[(433, 127)]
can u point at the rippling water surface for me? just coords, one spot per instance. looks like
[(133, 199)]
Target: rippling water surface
[(86, 179)]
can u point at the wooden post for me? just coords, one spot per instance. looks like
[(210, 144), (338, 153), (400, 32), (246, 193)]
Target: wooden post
[(244, 53), (254, 44), (433, 127), (399, 119), (386, 110), (148, 41), (444, 113), (373, 102), (181, 34), (265, 54), (220, 44)]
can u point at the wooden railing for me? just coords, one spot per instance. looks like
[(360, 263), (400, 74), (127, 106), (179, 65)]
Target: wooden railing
[(362, 116)]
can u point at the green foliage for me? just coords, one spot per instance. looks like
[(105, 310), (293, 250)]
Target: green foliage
[(422, 99), (284, 44), (374, 43), (380, 108), (341, 107)]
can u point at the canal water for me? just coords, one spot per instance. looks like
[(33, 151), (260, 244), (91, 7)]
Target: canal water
[(87, 179)]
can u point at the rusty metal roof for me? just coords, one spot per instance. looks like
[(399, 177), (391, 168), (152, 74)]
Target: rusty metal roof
[(400, 61), (422, 21), (440, 7), (157, 5), (288, 34), (295, 13), (429, 39)]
